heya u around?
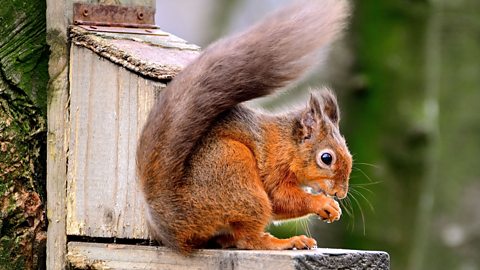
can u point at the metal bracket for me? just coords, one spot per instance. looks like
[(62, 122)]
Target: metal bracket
[(114, 16), (124, 30)]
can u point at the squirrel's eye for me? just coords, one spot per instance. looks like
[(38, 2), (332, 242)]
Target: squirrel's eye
[(326, 158)]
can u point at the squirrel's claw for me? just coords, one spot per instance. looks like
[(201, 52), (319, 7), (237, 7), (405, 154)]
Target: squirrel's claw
[(328, 209)]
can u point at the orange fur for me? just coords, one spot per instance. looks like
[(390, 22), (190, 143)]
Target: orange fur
[(214, 171)]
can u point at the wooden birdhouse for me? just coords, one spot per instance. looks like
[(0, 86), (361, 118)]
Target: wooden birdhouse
[(115, 75)]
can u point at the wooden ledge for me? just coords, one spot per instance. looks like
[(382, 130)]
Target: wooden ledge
[(114, 256), (159, 56)]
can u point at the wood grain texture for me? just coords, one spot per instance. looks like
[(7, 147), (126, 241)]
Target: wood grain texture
[(108, 108), (59, 17), (57, 115), (113, 256), (156, 57)]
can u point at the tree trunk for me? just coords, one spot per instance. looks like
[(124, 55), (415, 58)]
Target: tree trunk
[(23, 84)]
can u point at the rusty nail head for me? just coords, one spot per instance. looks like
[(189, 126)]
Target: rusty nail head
[(140, 15)]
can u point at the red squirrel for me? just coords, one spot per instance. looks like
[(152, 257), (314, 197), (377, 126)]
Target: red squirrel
[(214, 170)]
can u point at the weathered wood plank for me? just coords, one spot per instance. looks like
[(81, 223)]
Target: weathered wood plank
[(108, 108), (109, 105), (57, 115), (113, 256), (59, 17), (157, 57)]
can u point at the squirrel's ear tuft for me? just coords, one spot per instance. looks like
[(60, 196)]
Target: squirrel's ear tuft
[(311, 117), (330, 105), (315, 105)]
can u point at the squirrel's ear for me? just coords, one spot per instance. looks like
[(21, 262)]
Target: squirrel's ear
[(330, 105), (311, 117)]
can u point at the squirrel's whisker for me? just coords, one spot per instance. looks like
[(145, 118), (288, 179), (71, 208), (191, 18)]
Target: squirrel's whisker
[(365, 184), (364, 174), (361, 211), (365, 198), (367, 164), (363, 188)]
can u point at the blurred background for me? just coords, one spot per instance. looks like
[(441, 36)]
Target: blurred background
[(407, 74)]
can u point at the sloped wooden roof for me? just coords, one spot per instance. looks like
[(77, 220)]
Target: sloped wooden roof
[(157, 56)]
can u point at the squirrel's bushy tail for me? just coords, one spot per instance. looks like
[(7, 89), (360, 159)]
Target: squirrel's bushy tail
[(273, 53)]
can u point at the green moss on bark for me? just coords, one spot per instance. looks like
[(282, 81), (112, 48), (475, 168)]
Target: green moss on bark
[(23, 83), (23, 54)]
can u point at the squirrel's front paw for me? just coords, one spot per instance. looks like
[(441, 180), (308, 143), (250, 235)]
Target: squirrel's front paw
[(327, 208)]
